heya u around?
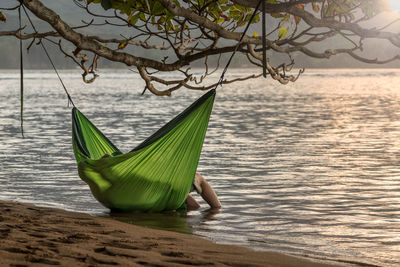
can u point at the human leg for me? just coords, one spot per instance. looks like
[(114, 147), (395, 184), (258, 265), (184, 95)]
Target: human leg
[(191, 203), (207, 192)]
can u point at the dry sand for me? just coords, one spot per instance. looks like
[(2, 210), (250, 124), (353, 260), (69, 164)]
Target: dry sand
[(35, 236)]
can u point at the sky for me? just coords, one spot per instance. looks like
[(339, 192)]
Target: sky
[(395, 4)]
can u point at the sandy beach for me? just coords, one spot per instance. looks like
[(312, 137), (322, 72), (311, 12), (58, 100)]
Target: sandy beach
[(36, 236)]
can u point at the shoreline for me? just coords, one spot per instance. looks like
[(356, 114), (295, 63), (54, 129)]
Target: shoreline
[(36, 236)]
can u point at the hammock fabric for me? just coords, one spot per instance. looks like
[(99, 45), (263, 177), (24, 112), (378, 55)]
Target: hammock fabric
[(157, 175)]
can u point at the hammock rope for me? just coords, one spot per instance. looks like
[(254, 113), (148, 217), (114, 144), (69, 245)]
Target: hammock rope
[(221, 79), (21, 66), (264, 40), (155, 176), (48, 56)]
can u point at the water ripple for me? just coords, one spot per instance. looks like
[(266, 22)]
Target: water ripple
[(309, 169)]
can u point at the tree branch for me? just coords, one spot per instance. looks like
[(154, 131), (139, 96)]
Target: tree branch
[(86, 43)]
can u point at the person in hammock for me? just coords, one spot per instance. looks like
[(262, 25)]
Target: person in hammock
[(203, 188), (206, 192)]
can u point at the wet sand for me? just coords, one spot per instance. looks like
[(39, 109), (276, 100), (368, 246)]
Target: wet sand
[(36, 236)]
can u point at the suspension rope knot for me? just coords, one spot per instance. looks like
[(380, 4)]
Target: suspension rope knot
[(220, 82)]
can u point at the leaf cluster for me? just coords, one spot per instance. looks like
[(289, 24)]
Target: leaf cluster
[(151, 11)]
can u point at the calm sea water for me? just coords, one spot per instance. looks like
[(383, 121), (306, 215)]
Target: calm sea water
[(310, 169)]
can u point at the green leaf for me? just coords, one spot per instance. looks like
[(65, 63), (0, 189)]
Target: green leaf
[(142, 16), (134, 19), (3, 17), (256, 18), (158, 8), (161, 20), (169, 15), (122, 45), (282, 32), (106, 4)]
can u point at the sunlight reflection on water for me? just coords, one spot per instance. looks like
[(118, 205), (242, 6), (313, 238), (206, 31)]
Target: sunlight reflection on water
[(309, 169)]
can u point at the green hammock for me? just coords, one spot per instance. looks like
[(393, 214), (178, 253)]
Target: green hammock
[(157, 175)]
